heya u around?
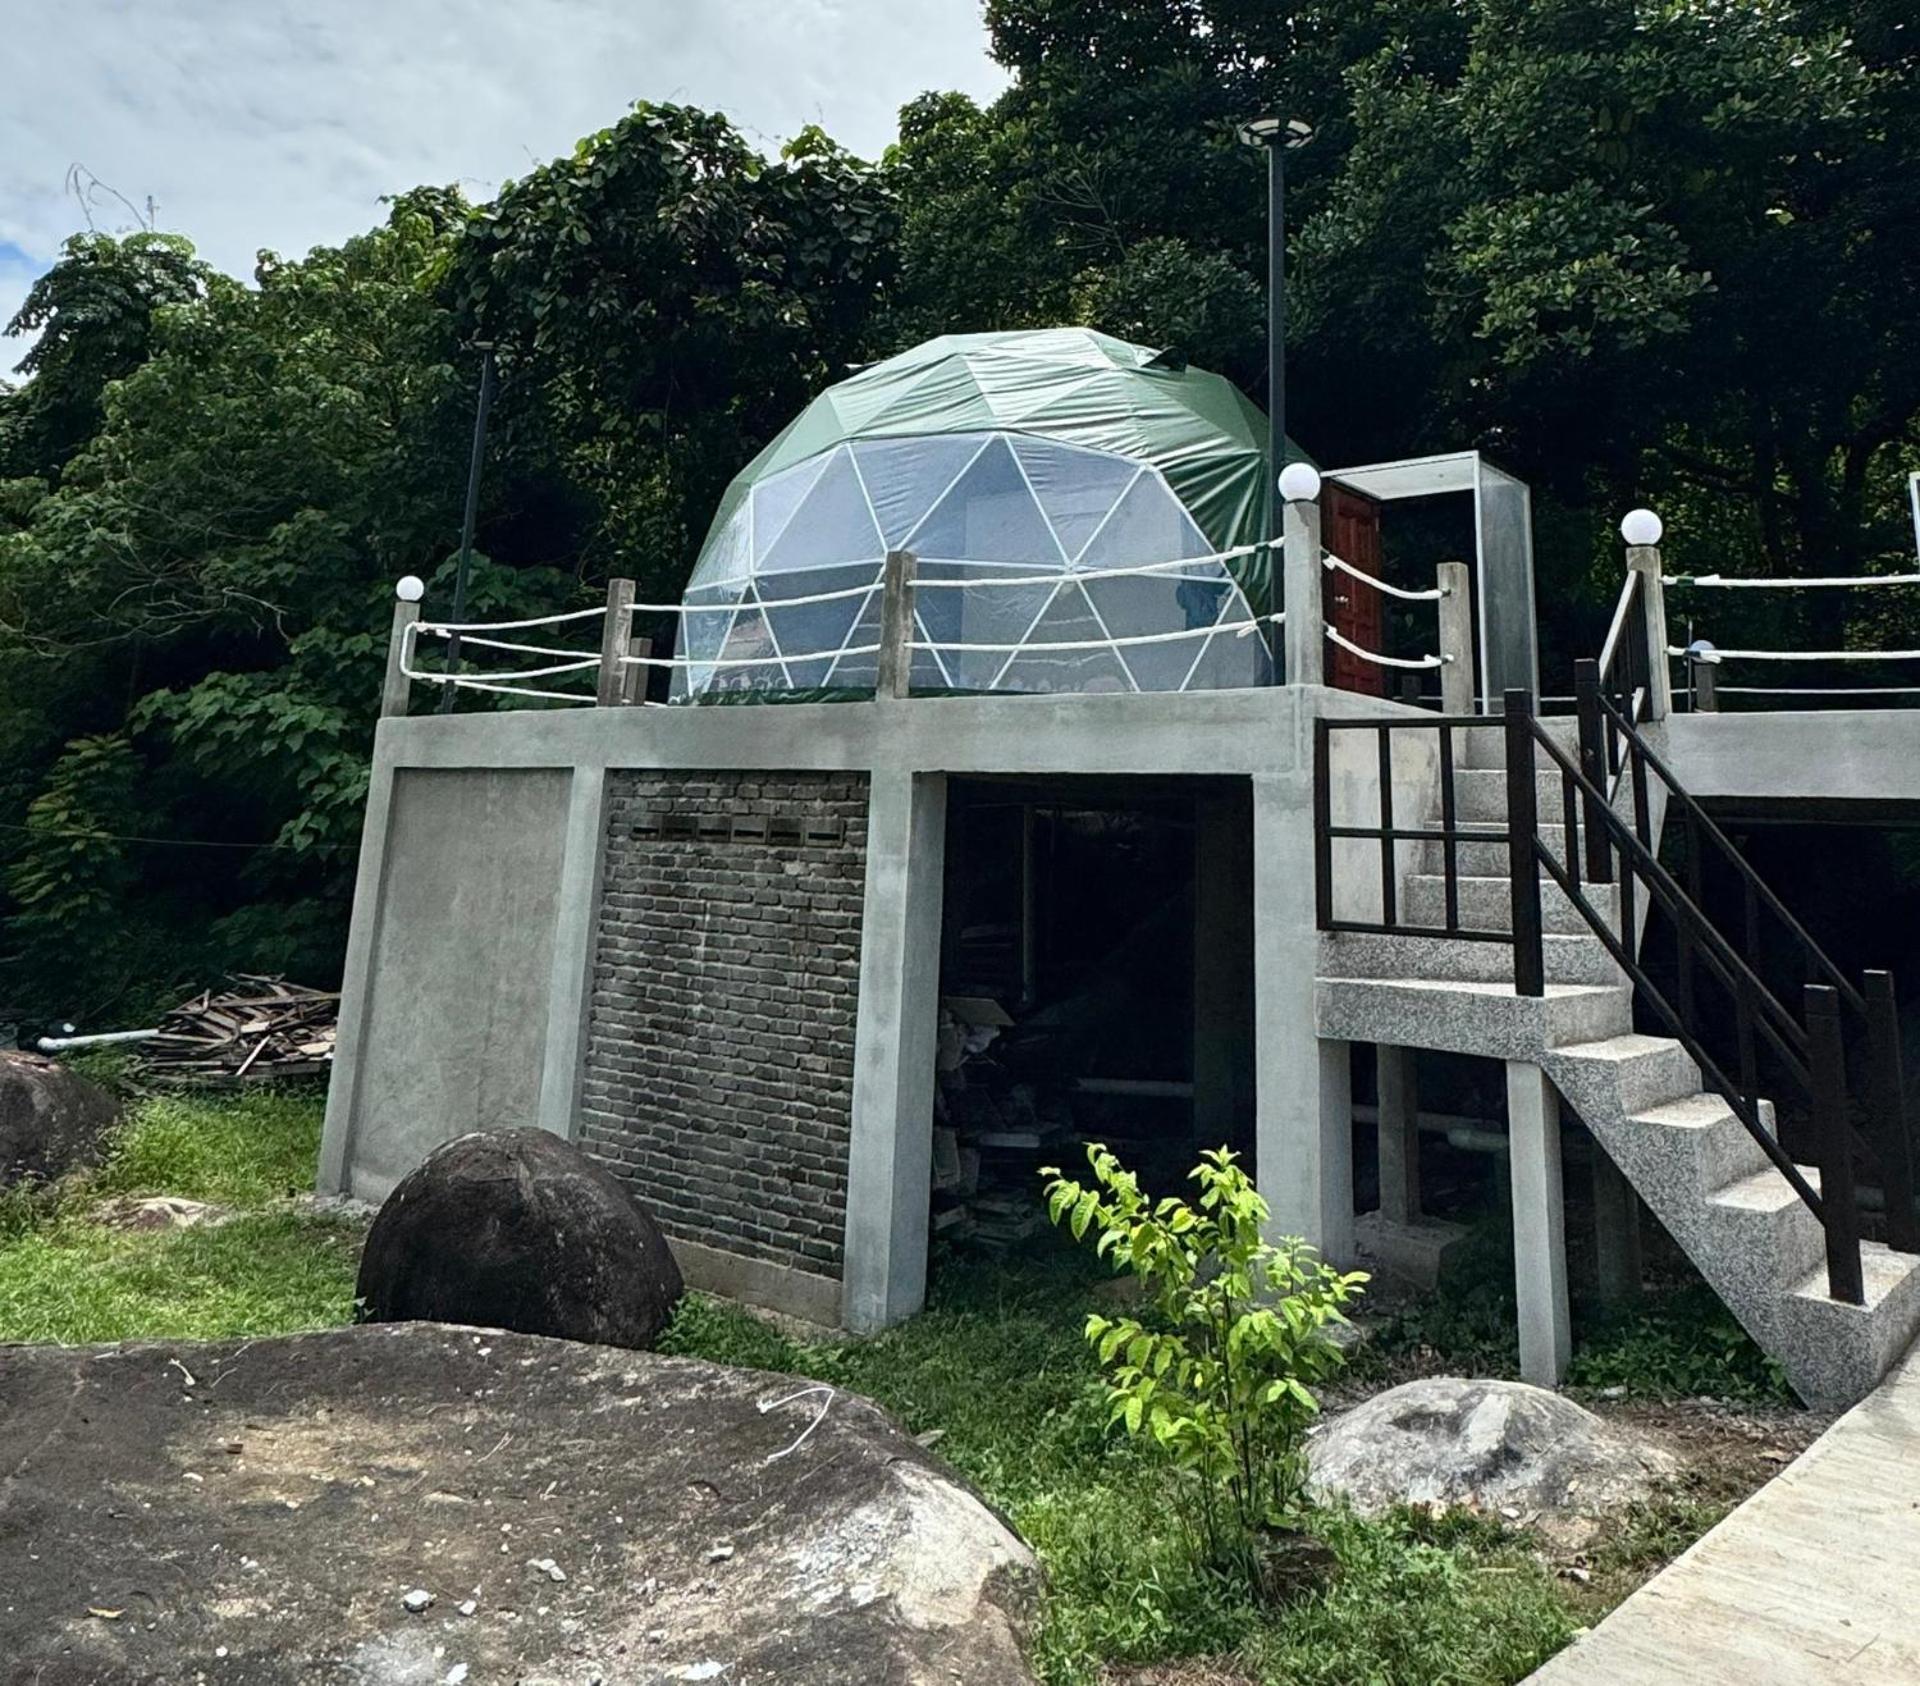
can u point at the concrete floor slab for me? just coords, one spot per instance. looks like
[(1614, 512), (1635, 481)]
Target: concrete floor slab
[(1809, 1583)]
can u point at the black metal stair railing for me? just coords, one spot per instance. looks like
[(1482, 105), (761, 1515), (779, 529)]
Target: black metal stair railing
[(1603, 847)]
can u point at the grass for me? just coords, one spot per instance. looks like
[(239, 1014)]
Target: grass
[(997, 1365), (270, 1269)]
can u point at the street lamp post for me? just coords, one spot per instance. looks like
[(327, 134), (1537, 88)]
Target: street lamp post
[(1278, 136), (465, 566)]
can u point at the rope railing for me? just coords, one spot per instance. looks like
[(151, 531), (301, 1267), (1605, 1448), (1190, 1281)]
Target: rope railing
[(1332, 563), (1725, 582), (1418, 663)]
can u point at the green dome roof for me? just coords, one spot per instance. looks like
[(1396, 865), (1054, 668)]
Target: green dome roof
[(1069, 384)]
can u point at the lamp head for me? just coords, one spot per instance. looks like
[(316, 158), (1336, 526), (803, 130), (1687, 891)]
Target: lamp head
[(410, 588), (1642, 527), (1300, 483)]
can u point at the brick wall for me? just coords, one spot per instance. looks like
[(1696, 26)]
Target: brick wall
[(719, 1071)]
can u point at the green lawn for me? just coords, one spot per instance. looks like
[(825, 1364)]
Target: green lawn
[(996, 1366), (271, 1269)]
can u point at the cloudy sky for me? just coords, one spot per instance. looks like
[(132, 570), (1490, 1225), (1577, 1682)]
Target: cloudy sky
[(255, 123)]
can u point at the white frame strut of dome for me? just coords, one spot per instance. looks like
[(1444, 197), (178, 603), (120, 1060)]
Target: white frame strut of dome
[(739, 568)]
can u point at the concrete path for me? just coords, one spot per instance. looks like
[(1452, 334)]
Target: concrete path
[(1815, 1579)]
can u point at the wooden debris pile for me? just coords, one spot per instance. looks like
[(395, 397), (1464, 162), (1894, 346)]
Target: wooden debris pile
[(261, 1028)]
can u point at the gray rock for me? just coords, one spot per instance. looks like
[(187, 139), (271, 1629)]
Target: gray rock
[(517, 1229), (52, 1120), (1502, 1447), (858, 1557)]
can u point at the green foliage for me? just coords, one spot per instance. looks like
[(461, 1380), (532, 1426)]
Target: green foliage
[(1682, 1344), (1217, 1379)]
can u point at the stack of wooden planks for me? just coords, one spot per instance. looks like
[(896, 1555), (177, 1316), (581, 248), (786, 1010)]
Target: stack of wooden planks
[(261, 1028)]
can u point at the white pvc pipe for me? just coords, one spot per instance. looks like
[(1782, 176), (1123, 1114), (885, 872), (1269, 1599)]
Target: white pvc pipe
[(59, 1044)]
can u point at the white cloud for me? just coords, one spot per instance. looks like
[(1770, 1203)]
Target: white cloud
[(258, 123)]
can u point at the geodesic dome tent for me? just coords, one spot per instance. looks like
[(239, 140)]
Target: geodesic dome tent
[(1022, 470)]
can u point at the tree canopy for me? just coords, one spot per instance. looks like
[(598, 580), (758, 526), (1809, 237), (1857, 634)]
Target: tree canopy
[(1639, 250)]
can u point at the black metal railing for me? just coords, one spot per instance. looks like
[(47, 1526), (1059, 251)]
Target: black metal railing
[(1711, 996)]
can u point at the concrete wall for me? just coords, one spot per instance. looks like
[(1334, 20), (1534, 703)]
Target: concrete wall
[(454, 1017), (1829, 756), (719, 1063), (447, 1031)]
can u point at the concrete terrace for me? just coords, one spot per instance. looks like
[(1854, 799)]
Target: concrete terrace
[(1811, 1580)]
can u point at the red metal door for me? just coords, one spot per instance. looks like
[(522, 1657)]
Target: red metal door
[(1352, 533)]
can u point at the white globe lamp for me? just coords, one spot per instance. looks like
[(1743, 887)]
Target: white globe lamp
[(1300, 483), (1642, 527), (410, 589)]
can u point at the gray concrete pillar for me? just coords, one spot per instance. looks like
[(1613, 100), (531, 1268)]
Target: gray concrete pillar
[(1616, 1230), (576, 922), (1399, 1135), (1456, 638), (1539, 1225), (1304, 635), (890, 1171), (1303, 1102), (1222, 969)]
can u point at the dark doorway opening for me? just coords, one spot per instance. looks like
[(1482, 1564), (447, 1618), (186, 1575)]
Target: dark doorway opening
[(1096, 986)]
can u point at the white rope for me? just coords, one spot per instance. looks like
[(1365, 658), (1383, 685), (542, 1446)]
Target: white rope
[(1037, 647), (524, 673), (760, 601), (1722, 580), (466, 684), (1433, 595), (791, 659), (1816, 691), (1378, 660), (499, 643), (1808, 655), (1074, 576), (509, 626)]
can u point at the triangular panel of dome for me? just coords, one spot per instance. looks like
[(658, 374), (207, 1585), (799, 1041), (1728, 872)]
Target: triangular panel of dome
[(859, 672), (726, 558), (989, 515), (1228, 662), (905, 478), (981, 612), (811, 635), (1154, 605), (1148, 524), (749, 640), (1069, 619), (1077, 489), (777, 497), (832, 525)]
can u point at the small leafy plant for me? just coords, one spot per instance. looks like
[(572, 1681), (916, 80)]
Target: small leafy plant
[(1218, 1376)]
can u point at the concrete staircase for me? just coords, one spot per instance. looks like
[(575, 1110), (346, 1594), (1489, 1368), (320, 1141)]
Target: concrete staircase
[(1683, 1149)]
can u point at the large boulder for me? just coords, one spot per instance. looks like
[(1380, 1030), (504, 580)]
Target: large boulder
[(516, 1229), (415, 1503), (1502, 1447), (52, 1120)]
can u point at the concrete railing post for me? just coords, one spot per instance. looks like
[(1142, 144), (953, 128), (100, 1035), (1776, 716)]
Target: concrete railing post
[(615, 688), (1305, 633), (1456, 638), (895, 664), (397, 687), (1642, 531)]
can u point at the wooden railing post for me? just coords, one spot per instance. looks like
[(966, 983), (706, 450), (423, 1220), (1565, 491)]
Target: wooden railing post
[(1456, 639), (1523, 829), (1704, 673), (616, 634), (894, 665), (1644, 560), (1833, 1134), (397, 688), (1892, 1140)]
